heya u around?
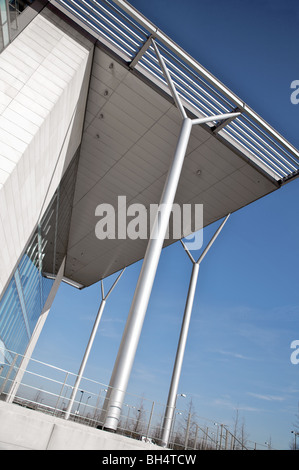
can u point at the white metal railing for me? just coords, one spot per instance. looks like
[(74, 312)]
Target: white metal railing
[(48, 389), (122, 28)]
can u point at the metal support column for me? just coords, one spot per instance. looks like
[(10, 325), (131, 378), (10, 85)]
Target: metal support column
[(130, 339), (90, 343), (127, 350), (171, 402)]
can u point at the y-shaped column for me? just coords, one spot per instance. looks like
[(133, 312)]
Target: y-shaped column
[(171, 402), (127, 350), (90, 343)]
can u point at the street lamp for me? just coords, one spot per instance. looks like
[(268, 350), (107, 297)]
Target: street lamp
[(269, 445), (214, 439), (98, 401), (138, 420), (127, 421), (168, 418), (172, 432), (82, 391), (221, 434), (86, 404), (181, 395), (295, 436)]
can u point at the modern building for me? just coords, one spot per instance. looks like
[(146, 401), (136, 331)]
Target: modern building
[(96, 103)]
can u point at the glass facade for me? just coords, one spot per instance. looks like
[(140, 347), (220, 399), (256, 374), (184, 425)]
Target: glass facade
[(4, 24), (20, 307), (10, 11), (24, 298)]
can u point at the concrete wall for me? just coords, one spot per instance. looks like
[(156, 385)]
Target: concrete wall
[(22, 428), (44, 76)]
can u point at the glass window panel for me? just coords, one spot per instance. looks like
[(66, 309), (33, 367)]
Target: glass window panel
[(5, 34), (23, 301), (3, 11)]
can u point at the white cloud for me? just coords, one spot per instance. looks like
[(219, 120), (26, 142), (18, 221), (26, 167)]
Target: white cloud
[(233, 354), (231, 405), (267, 397)]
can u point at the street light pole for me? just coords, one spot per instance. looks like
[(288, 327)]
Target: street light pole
[(98, 401), (172, 433), (295, 436), (82, 391), (86, 404), (127, 421)]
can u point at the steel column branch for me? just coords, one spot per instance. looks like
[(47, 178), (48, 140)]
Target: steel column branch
[(169, 82), (141, 52), (217, 117), (171, 402)]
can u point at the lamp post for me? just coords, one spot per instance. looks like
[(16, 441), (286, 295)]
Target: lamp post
[(168, 418), (217, 435), (138, 420), (183, 395), (82, 391), (269, 445), (295, 436), (98, 401), (86, 404), (214, 434), (221, 434), (172, 433), (127, 421)]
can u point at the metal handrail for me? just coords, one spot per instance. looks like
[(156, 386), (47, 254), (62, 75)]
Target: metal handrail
[(201, 71), (127, 31), (45, 388)]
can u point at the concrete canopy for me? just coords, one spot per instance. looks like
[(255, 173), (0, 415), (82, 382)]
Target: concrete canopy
[(129, 137)]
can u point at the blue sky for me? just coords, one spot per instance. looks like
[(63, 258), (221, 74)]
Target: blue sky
[(246, 310)]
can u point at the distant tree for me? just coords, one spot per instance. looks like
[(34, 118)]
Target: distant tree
[(296, 423), (187, 426), (38, 398), (243, 434), (269, 443), (235, 428), (138, 419), (240, 435), (295, 429)]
